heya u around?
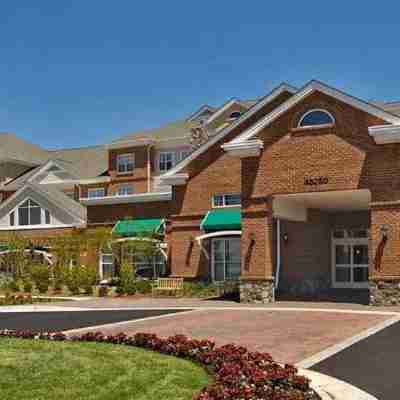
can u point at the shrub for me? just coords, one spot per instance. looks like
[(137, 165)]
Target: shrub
[(200, 289), (41, 277), (127, 282), (72, 280), (143, 286), (13, 285), (59, 277), (27, 285), (87, 277)]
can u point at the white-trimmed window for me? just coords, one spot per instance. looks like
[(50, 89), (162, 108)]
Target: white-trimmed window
[(226, 200), (125, 163), (166, 160), (107, 265), (125, 190), (96, 192), (29, 213), (181, 155), (317, 117)]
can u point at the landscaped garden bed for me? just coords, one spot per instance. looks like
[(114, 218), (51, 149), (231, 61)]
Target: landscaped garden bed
[(22, 299), (93, 369)]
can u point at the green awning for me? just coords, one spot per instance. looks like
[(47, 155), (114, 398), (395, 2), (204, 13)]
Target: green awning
[(222, 219), (139, 227)]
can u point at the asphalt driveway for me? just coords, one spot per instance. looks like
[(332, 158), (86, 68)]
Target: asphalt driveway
[(371, 364), (55, 321)]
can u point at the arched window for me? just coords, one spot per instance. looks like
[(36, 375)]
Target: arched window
[(315, 118), (235, 115)]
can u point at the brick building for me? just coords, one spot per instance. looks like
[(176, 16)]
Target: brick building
[(294, 194)]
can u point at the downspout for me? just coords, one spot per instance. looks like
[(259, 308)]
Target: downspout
[(149, 168), (278, 252)]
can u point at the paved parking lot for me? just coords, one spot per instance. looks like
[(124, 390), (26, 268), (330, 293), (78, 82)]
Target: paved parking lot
[(371, 364), (54, 321)]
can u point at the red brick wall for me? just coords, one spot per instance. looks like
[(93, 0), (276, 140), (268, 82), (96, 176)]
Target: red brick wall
[(113, 213), (213, 172), (345, 154)]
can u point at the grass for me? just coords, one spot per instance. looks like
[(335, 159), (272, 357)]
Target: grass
[(40, 370)]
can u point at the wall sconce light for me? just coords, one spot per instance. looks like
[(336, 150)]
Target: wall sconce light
[(385, 231), (285, 237), (252, 237)]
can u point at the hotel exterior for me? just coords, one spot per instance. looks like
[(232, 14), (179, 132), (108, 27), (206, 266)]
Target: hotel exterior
[(295, 194)]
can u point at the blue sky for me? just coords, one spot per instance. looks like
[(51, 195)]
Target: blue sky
[(77, 73)]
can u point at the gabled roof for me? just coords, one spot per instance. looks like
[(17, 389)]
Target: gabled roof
[(174, 130), (51, 196), (200, 111), (284, 87), (80, 163), (15, 149), (307, 90), (84, 162)]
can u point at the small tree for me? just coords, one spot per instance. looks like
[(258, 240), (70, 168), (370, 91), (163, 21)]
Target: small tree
[(41, 277), (127, 283)]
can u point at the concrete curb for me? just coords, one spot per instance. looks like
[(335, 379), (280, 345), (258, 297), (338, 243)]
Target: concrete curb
[(334, 389)]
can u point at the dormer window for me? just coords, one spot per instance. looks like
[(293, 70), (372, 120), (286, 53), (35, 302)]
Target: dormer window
[(166, 161), (125, 163), (235, 115), (314, 118)]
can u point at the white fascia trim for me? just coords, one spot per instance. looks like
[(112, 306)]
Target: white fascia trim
[(55, 201), (284, 87), (44, 168), (384, 134), (250, 148), (217, 234), (99, 179), (206, 107), (130, 143), (36, 227), (44, 194), (305, 92), (174, 180), (225, 107), (134, 198)]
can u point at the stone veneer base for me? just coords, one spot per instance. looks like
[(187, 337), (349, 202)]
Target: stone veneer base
[(257, 291), (384, 292)]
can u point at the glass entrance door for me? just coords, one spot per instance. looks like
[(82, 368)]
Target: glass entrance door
[(350, 259), (225, 259)]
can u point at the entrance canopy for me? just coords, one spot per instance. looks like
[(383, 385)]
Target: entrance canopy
[(137, 227), (222, 219), (293, 207)]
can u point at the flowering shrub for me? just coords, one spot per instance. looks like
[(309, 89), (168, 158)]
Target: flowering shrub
[(238, 373)]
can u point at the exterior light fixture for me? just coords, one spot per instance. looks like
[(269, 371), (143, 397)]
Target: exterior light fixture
[(385, 230), (285, 237), (252, 237)]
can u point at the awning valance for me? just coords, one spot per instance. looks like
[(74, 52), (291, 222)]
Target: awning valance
[(222, 219), (139, 227)]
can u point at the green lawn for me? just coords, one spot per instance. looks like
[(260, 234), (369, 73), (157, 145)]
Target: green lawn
[(42, 370)]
